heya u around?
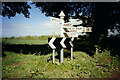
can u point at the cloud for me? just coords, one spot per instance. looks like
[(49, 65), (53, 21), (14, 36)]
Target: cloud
[(43, 28)]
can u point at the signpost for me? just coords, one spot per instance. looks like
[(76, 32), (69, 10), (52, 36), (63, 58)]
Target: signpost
[(77, 29), (51, 43), (63, 45), (53, 47), (68, 33), (71, 48), (62, 15), (54, 19), (60, 43)]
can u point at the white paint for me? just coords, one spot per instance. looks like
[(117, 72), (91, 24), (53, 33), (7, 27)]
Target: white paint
[(62, 42), (61, 55), (53, 56), (74, 29), (67, 24), (68, 29), (62, 22), (69, 34), (78, 29), (54, 19), (51, 43), (71, 41), (61, 14), (75, 21), (71, 53)]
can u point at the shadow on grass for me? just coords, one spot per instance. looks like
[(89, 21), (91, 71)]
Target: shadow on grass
[(27, 49), (45, 49), (111, 44), (84, 46)]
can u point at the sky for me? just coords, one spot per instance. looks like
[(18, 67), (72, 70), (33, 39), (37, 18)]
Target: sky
[(38, 24)]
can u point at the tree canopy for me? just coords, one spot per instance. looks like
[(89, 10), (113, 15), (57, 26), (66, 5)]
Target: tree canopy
[(10, 9)]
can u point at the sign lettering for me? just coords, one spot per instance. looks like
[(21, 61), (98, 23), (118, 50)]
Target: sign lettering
[(77, 29), (88, 29), (67, 24), (69, 34), (54, 19)]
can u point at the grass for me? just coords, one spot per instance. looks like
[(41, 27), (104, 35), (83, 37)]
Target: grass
[(0, 68), (101, 65), (24, 41), (19, 65)]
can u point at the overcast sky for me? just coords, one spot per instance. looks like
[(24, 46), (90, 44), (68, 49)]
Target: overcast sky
[(38, 24)]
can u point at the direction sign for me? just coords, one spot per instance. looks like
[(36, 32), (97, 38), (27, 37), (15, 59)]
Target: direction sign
[(67, 43), (62, 42), (67, 24), (54, 19), (75, 21), (56, 43), (62, 15), (77, 29), (71, 42), (69, 34), (51, 43), (88, 29), (59, 43), (73, 29)]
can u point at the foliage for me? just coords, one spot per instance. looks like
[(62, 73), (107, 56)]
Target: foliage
[(84, 44), (99, 15), (10, 9), (112, 44), (16, 65)]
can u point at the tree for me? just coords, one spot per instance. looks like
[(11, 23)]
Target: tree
[(101, 16), (10, 9)]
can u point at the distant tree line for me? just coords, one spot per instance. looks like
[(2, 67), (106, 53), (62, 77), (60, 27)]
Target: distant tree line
[(43, 37)]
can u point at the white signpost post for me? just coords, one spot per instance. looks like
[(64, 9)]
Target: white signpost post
[(71, 48), (62, 15), (53, 47), (68, 31)]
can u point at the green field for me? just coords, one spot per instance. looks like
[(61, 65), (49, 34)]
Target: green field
[(102, 65), (24, 41)]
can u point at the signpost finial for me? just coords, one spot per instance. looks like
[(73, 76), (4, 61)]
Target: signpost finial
[(62, 15)]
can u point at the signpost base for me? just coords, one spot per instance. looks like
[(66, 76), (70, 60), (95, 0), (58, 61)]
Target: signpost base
[(53, 56), (61, 55), (71, 53)]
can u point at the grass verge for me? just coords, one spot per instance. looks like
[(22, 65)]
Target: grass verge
[(101, 65)]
